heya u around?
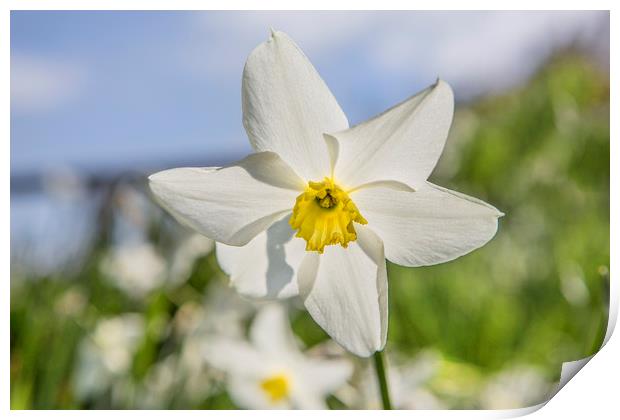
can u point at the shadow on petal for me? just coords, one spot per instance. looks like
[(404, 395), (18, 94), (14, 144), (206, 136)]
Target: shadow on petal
[(266, 267), (279, 272)]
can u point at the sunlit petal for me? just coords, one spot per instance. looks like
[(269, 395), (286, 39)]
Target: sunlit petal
[(402, 144), (429, 226), (345, 291), (287, 106), (231, 204)]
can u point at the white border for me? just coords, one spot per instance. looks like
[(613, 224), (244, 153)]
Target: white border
[(594, 393)]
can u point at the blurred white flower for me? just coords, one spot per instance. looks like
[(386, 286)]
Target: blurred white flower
[(407, 383), (160, 385), (184, 378), (573, 285), (313, 174), (269, 371), (107, 354), (71, 303), (188, 251), (518, 387), (223, 314), (137, 269)]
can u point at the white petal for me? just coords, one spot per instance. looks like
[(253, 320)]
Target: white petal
[(333, 147), (266, 267), (403, 144), (304, 399), (345, 291), (271, 331), (247, 393), (326, 376), (231, 204), (287, 106), (235, 357), (429, 226)]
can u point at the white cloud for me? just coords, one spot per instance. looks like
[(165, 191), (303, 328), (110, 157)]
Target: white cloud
[(478, 52), (43, 84), (475, 51), (225, 39), (317, 30)]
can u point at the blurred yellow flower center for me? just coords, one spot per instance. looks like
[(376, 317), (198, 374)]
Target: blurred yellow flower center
[(276, 387), (324, 215)]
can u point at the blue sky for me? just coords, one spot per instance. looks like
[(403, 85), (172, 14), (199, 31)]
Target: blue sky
[(123, 90)]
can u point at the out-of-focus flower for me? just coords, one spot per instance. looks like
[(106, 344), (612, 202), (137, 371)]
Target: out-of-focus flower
[(223, 314), (188, 251), (161, 385), (269, 371), (515, 388), (106, 355), (184, 378), (137, 269), (71, 303), (573, 285), (407, 382), (364, 188)]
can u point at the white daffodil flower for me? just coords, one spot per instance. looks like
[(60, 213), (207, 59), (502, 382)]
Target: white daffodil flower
[(320, 206), (270, 372)]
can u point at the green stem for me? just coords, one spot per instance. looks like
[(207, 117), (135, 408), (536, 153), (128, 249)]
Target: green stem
[(382, 377)]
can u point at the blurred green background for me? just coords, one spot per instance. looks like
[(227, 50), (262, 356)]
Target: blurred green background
[(502, 318)]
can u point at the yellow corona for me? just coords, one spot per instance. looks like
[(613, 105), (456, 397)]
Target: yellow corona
[(324, 215), (276, 387)]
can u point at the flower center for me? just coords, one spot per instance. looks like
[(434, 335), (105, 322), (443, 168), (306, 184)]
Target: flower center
[(324, 215), (276, 387)]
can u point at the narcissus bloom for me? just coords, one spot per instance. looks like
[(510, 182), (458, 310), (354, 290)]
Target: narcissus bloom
[(269, 371), (320, 206), (104, 357)]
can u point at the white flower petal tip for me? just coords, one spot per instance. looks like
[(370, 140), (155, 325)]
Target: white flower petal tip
[(230, 205), (287, 106), (276, 35), (345, 292), (402, 144), (445, 85)]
